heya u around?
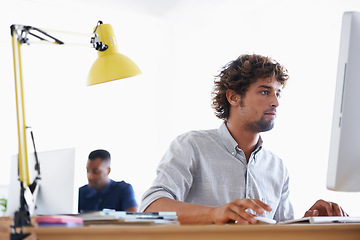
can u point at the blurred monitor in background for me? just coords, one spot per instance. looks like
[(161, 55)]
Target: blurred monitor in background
[(57, 189)]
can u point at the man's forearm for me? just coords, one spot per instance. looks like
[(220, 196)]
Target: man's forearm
[(187, 213)]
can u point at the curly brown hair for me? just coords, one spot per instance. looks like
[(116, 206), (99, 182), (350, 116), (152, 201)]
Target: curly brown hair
[(237, 75)]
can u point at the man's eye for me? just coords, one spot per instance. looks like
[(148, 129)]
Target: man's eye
[(265, 92)]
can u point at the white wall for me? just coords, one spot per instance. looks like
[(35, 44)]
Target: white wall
[(179, 45)]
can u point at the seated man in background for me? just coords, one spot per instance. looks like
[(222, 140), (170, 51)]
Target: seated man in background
[(226, 175), (101, 192)]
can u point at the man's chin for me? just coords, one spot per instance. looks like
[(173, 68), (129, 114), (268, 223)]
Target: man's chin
[(265, 126), (260, 126), (268, 127)]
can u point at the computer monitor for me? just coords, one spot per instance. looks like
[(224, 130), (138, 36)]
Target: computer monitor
[(57, 193), (344, 157)]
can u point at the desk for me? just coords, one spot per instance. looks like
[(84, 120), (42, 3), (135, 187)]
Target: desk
[(209, 232)]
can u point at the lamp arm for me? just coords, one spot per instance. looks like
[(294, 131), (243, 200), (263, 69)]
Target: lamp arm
[(57, 41), (22, 31), (22, 216), (20, 108)]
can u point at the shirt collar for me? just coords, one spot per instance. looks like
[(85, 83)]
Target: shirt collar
[(230, 143), (107, 187), (226, 138), (93, 191)]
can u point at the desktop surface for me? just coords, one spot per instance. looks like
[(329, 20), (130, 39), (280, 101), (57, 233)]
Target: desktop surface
[(198, 232), (177, 232)]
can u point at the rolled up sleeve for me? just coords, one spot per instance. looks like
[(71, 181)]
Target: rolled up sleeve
[(174, 174)]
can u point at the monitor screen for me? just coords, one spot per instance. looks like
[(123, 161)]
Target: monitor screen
[(344, 157), (57, 193)]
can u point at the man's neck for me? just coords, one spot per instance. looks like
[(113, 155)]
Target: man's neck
[(103, 186), (246, 140)]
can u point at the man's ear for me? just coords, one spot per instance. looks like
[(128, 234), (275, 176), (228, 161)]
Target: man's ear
[(109, 170), (232, 97)]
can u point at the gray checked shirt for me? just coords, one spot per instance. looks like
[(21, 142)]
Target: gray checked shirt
[(206, 167)]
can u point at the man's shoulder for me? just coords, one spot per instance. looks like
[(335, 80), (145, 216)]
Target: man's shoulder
[(197, 134), (196, 139), (84, 187), (120, 184)]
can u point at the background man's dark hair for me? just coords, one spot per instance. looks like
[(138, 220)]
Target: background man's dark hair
[(237, 75), (100, 153)]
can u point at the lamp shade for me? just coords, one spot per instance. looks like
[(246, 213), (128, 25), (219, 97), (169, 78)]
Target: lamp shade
[(110, 64)]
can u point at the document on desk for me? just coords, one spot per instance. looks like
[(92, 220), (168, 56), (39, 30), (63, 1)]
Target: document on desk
[(322, 220), (121, 217)]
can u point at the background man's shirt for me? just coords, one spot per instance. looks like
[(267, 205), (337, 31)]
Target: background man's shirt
[(118, 196)]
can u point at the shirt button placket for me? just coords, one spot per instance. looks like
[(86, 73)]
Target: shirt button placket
[(247, 182)]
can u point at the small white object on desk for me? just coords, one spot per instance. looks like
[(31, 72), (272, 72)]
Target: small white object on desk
[(263, 220)]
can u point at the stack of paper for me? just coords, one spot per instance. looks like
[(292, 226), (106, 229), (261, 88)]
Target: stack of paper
[(121, 217)]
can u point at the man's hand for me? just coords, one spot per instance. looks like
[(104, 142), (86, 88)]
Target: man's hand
[(235, 211), (324, 208)]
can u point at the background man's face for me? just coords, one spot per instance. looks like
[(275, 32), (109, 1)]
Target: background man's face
[(97, 173)]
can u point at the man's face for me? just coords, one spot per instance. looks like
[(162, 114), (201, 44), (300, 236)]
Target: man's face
[(97, 173), (257, 109)]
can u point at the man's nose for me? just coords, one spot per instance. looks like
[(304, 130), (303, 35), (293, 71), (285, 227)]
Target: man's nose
[(90, 176), (275, 101)]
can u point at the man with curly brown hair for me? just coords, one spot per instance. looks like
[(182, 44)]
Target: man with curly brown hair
[(226, 175)]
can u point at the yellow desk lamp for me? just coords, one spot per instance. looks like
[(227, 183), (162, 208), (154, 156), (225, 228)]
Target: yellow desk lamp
[(110, 65)]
